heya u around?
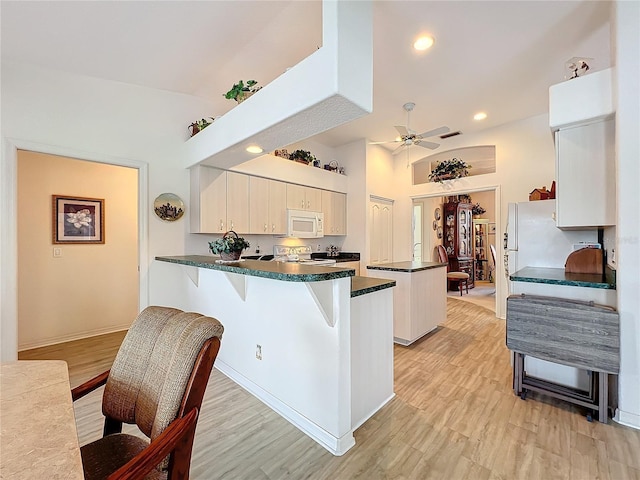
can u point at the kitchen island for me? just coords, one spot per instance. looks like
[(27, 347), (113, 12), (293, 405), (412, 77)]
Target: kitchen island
[(314, 343), (419, 299)]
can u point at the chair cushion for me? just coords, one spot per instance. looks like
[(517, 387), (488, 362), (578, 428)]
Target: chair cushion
[(153, 365), (458, 275), (104, 456)]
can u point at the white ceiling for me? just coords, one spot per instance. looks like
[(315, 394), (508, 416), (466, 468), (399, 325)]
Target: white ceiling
[(499, 57)]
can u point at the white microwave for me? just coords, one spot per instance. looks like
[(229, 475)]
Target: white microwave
[(305, 224)]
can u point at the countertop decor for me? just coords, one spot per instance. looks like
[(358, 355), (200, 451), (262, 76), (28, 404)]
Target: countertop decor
[(229, 247)]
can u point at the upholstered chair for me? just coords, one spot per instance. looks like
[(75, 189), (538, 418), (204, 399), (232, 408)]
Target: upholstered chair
[(460, 277), (157, 381)]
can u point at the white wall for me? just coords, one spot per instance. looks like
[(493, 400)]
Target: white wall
[(626, 41), (93, 119)]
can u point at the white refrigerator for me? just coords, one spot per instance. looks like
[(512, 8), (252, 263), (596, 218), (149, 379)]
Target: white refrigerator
[(533, 240)]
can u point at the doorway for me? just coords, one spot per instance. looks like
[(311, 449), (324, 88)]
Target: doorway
[(482, 236)]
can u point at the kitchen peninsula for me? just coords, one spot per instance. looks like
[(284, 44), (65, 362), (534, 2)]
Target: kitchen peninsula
[(314, 343), (419, 299)]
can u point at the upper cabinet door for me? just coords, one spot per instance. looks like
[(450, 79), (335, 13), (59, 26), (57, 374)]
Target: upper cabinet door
[(238, 202), (585, 172), (277, 207), (259, 206), (208, 200), (296, 197), (313, 199)]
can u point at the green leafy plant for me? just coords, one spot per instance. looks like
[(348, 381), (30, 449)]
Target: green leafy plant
[(200, 125), (449, 169), (240, 90), (229, 243), (302, 156), (477, 209)]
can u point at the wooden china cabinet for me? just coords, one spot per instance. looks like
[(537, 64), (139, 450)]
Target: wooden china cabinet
[(458, 239)]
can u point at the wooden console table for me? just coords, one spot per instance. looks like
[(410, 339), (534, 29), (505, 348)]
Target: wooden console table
[(568, 332), (39, 438)]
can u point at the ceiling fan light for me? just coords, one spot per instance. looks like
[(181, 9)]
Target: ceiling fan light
[(480, 116), (423, 43)]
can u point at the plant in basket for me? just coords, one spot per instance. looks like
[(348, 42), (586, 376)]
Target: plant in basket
[(449, 169), (229, 247)]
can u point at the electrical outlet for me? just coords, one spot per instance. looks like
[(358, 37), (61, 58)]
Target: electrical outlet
[(259, 352), (57, 252)]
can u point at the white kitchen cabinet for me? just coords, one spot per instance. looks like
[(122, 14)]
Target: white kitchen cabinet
[(300, 197), (334, 206), (585, 173), (267, 206), (208, 209), (277, 207), (237, 202)]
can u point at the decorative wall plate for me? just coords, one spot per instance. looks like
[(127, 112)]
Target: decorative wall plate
[(435, 224), (436, 214), (168, 207), (439, 232)]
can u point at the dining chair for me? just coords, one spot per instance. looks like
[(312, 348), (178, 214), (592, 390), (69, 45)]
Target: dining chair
[(492, 268), (460, 277), (157, 381)]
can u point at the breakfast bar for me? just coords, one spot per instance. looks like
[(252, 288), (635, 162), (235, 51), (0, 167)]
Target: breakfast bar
[(314, 343)]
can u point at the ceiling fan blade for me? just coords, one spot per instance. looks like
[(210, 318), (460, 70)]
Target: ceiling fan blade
[(402, 130), (425, 144), (398, 149), (381, 143), (435, 131)]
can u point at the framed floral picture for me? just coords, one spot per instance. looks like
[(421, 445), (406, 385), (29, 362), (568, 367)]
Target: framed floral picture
[(78, 219)]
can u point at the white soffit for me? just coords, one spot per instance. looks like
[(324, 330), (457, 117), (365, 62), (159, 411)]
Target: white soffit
[(332, 86)]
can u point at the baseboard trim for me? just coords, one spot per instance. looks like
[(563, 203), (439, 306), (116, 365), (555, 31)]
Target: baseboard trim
[(70, 338), (336, 445), (627, 419), (373, 412)]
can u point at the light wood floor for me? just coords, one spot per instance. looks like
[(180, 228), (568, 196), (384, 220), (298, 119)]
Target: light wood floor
[(454, 417)]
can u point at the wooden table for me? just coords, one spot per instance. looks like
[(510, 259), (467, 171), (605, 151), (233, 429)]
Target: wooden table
[(38, 437)]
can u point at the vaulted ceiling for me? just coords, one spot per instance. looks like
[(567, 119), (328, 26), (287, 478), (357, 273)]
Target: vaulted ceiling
[(497, 57)]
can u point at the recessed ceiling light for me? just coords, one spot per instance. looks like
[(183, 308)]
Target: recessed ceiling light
[(423, 43), (254, 149), (480, 116)]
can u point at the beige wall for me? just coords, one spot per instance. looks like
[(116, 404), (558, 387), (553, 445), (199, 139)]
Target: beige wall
[(90, 289)]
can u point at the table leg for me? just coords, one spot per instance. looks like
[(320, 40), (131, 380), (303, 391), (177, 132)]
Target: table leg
[(603, 397)]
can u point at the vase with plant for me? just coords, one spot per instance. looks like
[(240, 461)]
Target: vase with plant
[(199, 125), (229, 247), (302, 156), (241, 91), (449, 169)]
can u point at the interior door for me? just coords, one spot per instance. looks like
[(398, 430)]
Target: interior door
[(380, 231)]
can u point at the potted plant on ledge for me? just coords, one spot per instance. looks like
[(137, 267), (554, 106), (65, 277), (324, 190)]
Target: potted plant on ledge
[(449, 169), (241, 91), (302, 156), (229, 247), (199, 125)]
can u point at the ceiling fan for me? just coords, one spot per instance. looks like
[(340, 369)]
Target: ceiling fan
[(409, 137)]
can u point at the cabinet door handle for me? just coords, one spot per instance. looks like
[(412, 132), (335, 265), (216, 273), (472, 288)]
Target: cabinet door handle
[(221, 225), (273, 227), (302, 204), (265, 227), (308, 204), (231, 224)]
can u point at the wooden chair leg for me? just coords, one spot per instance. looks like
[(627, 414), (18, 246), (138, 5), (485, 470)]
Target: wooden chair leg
[(460, 285), (466, 284)]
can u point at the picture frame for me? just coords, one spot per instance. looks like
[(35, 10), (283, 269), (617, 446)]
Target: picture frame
[(77, 220)]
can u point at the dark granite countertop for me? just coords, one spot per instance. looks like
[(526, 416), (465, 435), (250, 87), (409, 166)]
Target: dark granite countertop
[(288, 272), (557, 276), (364, 285), (285, 271), (406, 266)]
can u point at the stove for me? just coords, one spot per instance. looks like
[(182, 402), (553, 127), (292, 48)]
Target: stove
[(298, 254)]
